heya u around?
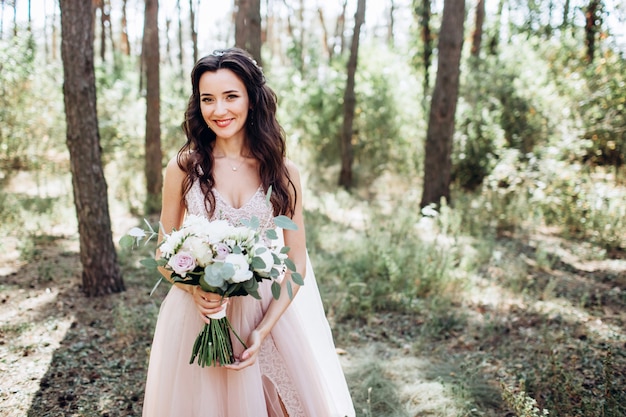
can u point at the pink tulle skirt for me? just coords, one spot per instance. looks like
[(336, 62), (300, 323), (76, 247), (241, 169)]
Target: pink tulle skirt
[(297, 364)]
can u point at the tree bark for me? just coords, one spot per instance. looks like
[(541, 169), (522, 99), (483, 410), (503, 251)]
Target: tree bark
[(424, 14), (194, 32), (349, 102), (341, 27), (477, 36), (593, 20), (439, 137), (124, 41), (101, 274), (153, 156), (391, 25), (248, 27)]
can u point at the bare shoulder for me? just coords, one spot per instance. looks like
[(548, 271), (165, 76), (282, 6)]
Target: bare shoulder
[(173, 169), (293, 170)]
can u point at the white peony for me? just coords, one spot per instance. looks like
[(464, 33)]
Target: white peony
[(196, 225), (172, 242), (240, 263), (217, 230)]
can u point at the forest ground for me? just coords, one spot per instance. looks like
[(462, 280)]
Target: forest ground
[(63, 354)]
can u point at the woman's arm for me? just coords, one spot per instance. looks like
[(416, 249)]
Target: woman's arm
[(296, 241)]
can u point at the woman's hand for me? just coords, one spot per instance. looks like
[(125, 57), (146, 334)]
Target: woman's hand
[(207, 303), (249, 356)]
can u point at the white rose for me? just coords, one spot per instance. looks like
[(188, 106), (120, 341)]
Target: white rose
[(266, 255), (239, 262), (200, 249)]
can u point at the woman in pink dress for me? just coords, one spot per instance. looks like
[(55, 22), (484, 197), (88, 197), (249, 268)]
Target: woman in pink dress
[(235, 151)]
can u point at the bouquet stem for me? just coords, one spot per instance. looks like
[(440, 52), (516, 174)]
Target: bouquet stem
[(213, 346)]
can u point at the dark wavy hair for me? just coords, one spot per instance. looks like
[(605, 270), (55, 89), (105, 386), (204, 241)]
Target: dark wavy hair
[(265, 137)]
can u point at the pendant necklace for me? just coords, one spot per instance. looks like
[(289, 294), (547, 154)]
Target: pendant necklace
[(235, 168)]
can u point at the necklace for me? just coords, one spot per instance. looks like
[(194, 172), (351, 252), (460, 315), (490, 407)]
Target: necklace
[(235, 168)]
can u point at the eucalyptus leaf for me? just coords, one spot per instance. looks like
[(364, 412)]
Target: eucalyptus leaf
[(254, 223), (271, 234), (289, 290), (237, 250), (275, 290), (297, 278), (268, 195), (150, 263), (285, 222), (277, 260), (289, 264), (212, 275), (127, 242), (257, 263), (226, 271), (285, 249)]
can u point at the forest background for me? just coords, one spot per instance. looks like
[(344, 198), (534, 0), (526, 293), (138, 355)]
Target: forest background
[(506, 297)]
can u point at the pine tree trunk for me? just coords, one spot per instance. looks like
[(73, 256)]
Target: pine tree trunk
[(153, 155), (423, 11), (438, 162), (349, 102), (248, 27), (101, 274), (477, 36), (124, 41), (194, 32), (592, 27)]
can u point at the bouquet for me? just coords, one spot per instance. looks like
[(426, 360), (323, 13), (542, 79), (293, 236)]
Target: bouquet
[(223, 259)]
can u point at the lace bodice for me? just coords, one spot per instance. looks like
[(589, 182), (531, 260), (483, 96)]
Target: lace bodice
[(255, 207)]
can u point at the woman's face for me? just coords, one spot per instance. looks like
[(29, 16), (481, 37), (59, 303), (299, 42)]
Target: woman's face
[(224, 103)]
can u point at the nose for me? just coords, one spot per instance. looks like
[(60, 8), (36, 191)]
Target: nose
[(220, 107)]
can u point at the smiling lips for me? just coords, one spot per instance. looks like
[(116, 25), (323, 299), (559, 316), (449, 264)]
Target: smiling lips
[(223, 123)]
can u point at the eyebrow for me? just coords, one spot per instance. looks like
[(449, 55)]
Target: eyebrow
[(224, 92)]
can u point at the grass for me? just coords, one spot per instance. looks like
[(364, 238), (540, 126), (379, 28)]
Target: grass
[(474, 310)]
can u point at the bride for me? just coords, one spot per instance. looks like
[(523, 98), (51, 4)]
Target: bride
[(235, 151)]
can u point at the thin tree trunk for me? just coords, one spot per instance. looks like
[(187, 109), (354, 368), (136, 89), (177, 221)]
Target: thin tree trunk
[(494, 40), (194, 32), (153, 155), (479, 22), (438, 149), (181, 52), (55, 35), (101, 274), (593, 20), (565, 22), (424, 14), (341, 27), (349, 102), (124, 41), (325, 45), (391, 26)]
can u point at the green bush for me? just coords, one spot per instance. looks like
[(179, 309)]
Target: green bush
[(32, 128)]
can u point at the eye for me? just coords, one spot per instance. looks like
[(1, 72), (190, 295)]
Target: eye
[(232, 96), (207, 100)]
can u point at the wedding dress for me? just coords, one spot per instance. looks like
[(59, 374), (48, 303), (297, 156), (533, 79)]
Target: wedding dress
[(297, 363)]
